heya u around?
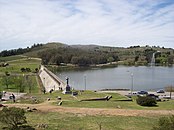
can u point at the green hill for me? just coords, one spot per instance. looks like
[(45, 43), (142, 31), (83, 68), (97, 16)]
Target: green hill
[(84, 55)]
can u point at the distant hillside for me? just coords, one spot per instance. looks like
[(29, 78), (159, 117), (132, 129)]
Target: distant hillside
[(85, 55), (34, 51)]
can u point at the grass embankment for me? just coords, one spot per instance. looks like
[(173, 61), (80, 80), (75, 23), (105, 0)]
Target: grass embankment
[(16, 78), (12, 58), (83, 122), (16, 65), (67, 121)]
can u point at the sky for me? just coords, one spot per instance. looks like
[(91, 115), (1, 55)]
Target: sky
[(119, 23)]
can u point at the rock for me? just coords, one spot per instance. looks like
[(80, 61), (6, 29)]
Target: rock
[(29, 110), (119, 107), (59, 98), (34, 109), (42, 126), (60, 103)]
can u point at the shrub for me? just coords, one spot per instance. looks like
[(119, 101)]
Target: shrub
[(12, 117), (146, 101), (1, 95), (165, 123)]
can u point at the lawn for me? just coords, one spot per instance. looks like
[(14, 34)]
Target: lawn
[(114, 102), (11, 58), (27, 79), (67, 121), (16, 65)]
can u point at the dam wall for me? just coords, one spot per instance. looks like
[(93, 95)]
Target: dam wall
[(50, 81)]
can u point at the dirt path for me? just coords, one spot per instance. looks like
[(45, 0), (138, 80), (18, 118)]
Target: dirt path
[(47, 107)]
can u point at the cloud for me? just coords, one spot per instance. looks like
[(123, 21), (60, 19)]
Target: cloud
[(104, 22)]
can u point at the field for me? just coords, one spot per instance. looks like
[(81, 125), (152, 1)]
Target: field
[(11, 58), (68, 121), (16, 77), (114, 102), (16, 65)]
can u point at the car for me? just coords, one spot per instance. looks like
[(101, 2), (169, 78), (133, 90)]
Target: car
[(142, 92), (160, 91), (156, 97)]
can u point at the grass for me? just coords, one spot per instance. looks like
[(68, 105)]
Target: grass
[(14, 69), (11, 58), (16, 65), (70, 101), (67, 121), (31, 82)]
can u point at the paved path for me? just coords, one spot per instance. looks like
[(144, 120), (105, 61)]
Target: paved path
[(8, 94), (161, 95)]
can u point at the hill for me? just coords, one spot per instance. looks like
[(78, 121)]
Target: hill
[(85, 55)]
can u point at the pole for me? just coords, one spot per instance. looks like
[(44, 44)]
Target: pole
[(132, 78), (171, 92), (85, 81)]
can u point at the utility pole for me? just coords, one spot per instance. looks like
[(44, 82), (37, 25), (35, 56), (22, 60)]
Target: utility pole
[(85, 81), (132, 85)]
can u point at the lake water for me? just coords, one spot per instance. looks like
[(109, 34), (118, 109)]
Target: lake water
[(143, 78)]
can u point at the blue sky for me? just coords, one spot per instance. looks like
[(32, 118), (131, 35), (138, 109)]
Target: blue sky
[(103, 22)]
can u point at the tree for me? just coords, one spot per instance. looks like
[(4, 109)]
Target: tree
[(110, 59), (6, 80), (146, 101), (58, 59), (13, 117), (169, 89), (1, 94), (19, 83), (165, 123), (170, 60), (136, 58), (29, 82), (74, 60)]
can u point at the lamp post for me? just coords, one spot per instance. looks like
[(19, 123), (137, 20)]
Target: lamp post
[(132, 82), (44, 82), (85, 80)]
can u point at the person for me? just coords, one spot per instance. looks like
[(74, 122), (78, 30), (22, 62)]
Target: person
[(4, 92), (13, 97), (44, 91)]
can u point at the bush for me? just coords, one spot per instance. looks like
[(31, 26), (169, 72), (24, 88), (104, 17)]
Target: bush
[(1, 93), (146, 101), (165, 123), (12, 117)]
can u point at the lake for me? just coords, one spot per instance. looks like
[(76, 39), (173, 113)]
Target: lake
[(121, 77)]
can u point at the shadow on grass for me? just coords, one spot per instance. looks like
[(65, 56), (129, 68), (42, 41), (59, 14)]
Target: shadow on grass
[(23, 127), (151, 106)]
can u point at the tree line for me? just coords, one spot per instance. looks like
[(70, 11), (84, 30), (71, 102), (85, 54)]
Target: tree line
[(18, 51), (92, 55), (76, 56)]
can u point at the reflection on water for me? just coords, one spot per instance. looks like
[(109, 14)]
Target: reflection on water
[(144, 78)]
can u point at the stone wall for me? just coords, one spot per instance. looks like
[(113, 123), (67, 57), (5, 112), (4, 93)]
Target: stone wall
[(50, 80)]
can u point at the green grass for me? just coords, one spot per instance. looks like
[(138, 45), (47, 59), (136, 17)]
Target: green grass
[(67, 121), (13, 87), (14, 69), (70, 101), (15, 66), (10, 58)]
